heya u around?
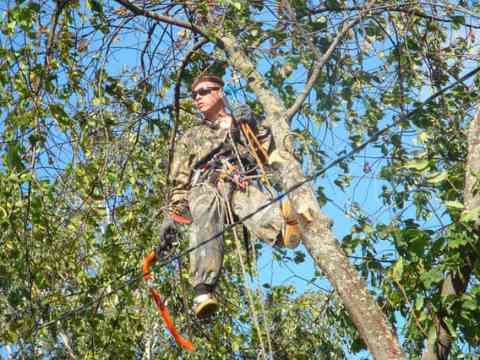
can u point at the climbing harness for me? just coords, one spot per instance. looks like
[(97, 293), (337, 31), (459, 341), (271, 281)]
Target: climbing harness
[(291, 234), (221, 166), (148, 261), (231, 172)]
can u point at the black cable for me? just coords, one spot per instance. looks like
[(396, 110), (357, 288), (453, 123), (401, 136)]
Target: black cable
[(315, 175), (307, 179)]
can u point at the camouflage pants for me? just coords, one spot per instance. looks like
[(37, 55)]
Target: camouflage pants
[(208, 209)]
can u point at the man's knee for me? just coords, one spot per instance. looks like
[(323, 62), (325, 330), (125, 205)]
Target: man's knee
[(203, 201)]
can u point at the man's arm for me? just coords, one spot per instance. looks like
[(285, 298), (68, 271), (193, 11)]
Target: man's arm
[(181, 174)]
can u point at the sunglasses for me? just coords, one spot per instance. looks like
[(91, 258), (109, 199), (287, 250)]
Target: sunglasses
[(203, 91)]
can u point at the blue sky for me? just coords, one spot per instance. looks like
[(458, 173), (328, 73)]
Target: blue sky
[(364, 191)]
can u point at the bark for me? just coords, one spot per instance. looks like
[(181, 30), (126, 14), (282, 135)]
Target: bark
[(319, 240), (439, 344)]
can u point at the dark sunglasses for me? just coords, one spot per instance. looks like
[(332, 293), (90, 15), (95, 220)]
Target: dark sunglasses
[(203, 91)]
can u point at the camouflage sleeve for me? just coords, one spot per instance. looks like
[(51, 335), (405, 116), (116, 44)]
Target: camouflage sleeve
[(181, 172)]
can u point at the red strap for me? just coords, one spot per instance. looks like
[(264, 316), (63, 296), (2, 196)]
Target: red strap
[(147, 261), (162, 309)]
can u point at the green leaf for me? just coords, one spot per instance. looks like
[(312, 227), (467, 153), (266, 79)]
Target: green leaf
[(470, 303), (418, 164), (437, 177), (454, 205), (95, 6), (470, 215), (456, 240), (432, 333), (458, 19), (397, 270), (419, 302), (59, 114), (450, 326), (13, 157), (433, 276)]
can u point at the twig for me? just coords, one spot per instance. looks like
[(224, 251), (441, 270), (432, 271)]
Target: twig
[(322, 60), (161, 18), (394, 8)]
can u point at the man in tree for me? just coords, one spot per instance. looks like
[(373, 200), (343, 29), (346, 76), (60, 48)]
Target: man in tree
[(215, 170)]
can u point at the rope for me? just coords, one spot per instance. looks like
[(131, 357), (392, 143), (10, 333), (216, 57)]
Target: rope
[(260, 295), (254, 146), (251, 301)]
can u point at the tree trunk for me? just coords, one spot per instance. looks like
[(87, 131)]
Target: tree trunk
[(319, 240), (439, 345)]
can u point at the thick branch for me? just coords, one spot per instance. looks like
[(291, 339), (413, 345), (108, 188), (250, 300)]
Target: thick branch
[(160, 18), (438, 347), (393, 8)]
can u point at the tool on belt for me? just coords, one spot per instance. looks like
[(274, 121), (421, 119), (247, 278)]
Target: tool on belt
[(221, 167)]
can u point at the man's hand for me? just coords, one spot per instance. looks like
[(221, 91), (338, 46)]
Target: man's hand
[(168, 234), (180, 213), (243, 113)]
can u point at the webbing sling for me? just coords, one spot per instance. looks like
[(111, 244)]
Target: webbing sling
[(162, 308)]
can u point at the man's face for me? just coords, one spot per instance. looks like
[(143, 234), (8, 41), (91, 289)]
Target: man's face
[(207, 96)]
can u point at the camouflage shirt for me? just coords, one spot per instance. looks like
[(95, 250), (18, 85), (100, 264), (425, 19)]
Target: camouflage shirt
[(202, 143)]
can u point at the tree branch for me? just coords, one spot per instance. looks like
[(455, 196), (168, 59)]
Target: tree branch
[(315, 226), (393, 8), (161, 18), (321, 59), (438, 346)]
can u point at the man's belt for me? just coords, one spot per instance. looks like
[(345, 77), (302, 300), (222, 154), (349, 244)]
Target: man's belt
[(220, 169)]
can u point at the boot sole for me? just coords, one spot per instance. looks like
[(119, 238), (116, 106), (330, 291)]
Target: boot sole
[(206, 309)]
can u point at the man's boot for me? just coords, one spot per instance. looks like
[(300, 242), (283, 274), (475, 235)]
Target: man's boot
[(291, 235), (205, 305)]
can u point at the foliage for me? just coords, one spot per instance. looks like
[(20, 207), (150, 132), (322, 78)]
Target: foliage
[(87, 110)]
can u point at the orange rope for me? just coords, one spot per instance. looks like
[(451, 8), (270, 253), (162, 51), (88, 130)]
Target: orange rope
[(255, 147), (162, 308)]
